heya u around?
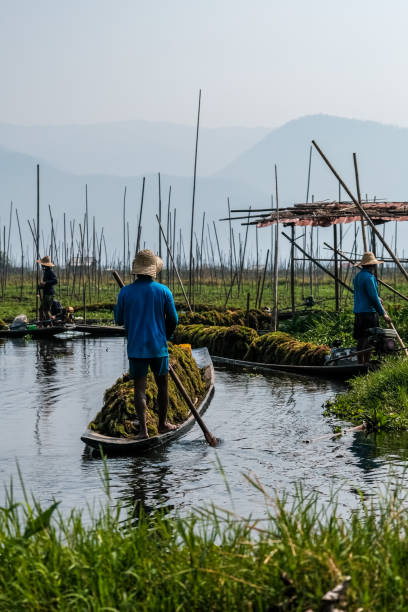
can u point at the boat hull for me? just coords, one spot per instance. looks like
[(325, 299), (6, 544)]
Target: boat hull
[(341, 372), (128, 446)]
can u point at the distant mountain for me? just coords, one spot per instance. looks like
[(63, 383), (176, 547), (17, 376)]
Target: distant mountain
[(382, 152), (66, 193), (130, 148)]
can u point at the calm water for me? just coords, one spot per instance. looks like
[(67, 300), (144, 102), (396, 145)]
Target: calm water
[(51, 390)]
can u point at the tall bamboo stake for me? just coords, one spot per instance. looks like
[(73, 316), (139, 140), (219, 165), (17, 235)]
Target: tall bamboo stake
[(276, 258), (193, 200), (375, 232), (37, 243)]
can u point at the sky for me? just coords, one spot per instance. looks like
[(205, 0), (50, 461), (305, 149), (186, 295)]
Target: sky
[(258, 62)]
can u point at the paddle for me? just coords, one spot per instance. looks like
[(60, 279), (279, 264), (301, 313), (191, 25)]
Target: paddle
[(212, 440), (404, 348)]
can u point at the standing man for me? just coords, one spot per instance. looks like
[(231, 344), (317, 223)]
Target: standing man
[(367, 304), (47, 286), (147, 311)]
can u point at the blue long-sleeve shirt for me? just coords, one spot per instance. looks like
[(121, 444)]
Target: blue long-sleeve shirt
[(50, 279), (366, 297), (147, 311)]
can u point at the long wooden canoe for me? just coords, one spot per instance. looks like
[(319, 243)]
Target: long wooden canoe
[(100, 330), (38, 332), (342, 372), (129, 446)]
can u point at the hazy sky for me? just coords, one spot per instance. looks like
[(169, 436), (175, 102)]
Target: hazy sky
[(258, 62)]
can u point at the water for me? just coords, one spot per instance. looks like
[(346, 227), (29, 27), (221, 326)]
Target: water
[(52, 389)]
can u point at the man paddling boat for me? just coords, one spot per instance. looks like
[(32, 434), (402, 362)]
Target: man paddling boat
[(367, 303), (147, 311), (46, 286)]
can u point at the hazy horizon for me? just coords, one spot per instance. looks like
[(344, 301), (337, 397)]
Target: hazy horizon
[(258, 64)]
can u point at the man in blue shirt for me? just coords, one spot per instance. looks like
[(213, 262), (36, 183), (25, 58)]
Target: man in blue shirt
[(147, 311), (367, 303)]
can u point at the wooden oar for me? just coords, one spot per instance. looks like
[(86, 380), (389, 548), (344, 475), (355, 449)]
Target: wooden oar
[(404, 348), (211, 439)]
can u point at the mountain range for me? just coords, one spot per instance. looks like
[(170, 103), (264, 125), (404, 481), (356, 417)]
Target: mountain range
[(232, 162)]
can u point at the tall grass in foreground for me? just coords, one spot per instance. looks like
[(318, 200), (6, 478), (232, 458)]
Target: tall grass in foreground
[(211, 560), (379, 398)]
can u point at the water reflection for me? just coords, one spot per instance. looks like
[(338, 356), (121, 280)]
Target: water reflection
[(55, 388)]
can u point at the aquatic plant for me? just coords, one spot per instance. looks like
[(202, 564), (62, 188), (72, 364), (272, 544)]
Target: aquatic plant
[(257, 319), (279, 347), (231, 341), (238, 342), (208, 560), (379, 398), (322, 327), (118, 416)]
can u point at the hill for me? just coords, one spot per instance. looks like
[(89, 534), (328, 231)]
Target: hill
[(381, 151), (130, 148)]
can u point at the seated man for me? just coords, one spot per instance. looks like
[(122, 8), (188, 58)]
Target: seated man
[(147, 311), (367, 304)]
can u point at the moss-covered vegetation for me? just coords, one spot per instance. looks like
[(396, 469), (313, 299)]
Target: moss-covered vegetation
[(238, 342), (230, 342), (257, 319), (209, 560), (380, 398), (278, 347), (118, 416)]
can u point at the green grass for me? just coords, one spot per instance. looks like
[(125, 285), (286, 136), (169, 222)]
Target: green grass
[(209, 560), (380, 398)]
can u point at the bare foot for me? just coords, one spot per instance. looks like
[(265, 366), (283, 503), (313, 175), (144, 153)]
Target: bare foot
[(167, 427), (142, 435)]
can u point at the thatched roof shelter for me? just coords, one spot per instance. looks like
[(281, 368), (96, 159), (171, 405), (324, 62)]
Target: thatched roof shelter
[(324, 214)]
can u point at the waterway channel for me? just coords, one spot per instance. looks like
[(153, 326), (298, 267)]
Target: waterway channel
[(50, 390)]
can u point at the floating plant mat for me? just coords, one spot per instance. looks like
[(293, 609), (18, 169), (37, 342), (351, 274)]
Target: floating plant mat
[(118, 416), (239, 342), (231, 341), (256, 319)]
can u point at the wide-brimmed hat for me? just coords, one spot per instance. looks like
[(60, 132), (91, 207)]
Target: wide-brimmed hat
[(46, 261), (147, 263), (368, 259)]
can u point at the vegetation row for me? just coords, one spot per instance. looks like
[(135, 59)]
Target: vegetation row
[(239, 342)]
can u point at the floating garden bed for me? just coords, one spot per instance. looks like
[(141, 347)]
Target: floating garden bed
[(239, 342)]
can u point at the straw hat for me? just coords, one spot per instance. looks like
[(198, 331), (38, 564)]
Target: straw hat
[(147, 263), (368, 259), (46, 261)]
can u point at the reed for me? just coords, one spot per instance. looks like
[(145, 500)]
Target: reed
[(209, 559)]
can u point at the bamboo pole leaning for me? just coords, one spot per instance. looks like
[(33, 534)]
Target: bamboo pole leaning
[(363, 212)]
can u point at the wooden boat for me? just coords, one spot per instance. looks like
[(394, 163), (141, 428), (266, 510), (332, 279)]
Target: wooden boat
[(101, 330), (38, 332), (340, 372), (128, 446)]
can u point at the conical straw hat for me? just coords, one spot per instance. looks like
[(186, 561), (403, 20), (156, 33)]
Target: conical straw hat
[(46, 261), (368, 259), (147, 263)]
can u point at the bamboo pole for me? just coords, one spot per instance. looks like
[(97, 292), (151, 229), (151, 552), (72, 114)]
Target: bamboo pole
[(359, 199), (174, 265), (381, 282), (37, 243), (193, 199), (317, 263), (276, 258), (375, 232), (139, 225)]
